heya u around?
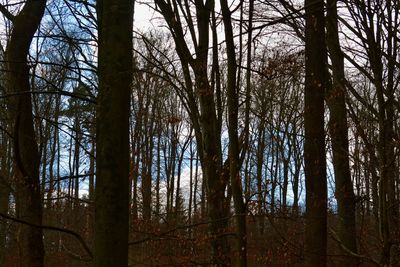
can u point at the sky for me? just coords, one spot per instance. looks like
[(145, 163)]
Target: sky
[(144, 15)]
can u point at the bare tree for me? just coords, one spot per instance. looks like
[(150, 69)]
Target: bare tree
[(203, 115)]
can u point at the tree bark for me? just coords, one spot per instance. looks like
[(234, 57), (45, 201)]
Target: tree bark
[(26, 155), (338, 130), (234, 163), (115, 19), (314, 144)]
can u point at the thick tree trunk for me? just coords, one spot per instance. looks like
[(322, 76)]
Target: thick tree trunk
[(26, 155), (314, 144), (112, 139)]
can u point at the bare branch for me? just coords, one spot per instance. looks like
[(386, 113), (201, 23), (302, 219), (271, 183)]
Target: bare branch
[(52, 228), (6, 13)]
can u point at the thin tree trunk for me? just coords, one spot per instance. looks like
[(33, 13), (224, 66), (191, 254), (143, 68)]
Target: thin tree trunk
[(234, 151), (259, 176), (158, 204), (92, 169), (196, 182), (338, 130), (4, 194), (296, 175), (53, 155), (76, 166), (190, 208)]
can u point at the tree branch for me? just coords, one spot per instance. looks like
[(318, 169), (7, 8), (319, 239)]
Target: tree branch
[(335, 237), (6, 13), (52, 228)]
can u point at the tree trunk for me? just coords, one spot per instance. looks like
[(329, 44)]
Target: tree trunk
[(112, 139), (26, 156), (90, 217), (314, 144), (50, 191), (158, 204), (338, 130), (234, 164), (4, 195)]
